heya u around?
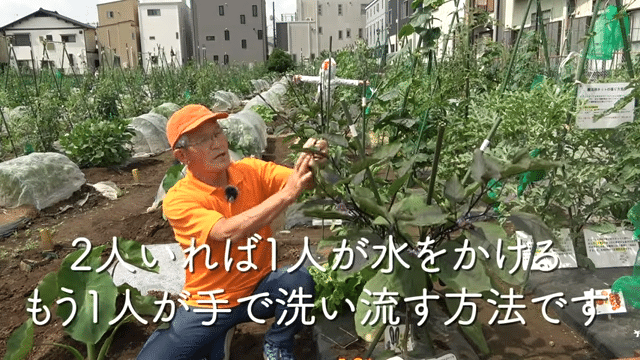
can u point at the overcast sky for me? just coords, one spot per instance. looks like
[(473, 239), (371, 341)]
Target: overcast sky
[(85, 10)]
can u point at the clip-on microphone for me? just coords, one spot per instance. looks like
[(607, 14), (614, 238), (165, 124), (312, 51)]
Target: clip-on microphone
[(231, 193)]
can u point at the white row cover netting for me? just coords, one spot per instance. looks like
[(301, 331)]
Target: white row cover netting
[(151, 130), (260, 85), (273, 96), (38, 179), (246, 133), (225, 101)]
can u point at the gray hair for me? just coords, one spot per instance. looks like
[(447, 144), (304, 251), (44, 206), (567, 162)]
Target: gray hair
[(183, 142)]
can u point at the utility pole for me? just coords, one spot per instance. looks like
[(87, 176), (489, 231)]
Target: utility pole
[(274, 24)]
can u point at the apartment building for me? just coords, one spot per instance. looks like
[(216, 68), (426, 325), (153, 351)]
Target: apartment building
[(342, 21), (51, 40), (165, 32), (226, 32), (376, 23), (119, 30)]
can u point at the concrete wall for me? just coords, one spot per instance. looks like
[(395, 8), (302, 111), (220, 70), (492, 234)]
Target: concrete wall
[(210, 27), (120, 32)]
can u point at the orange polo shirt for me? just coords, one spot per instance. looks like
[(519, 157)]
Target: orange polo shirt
[(193, 207)]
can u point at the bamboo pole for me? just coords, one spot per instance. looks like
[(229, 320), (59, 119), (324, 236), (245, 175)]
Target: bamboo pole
[(6, 125), (503, 86), (543, 36), (625, 40)]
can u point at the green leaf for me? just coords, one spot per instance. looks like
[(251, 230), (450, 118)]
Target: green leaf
[(387, 151), (365, 200), (475, 280), (528, 164), (173, 175), (406, 30), (453, 190), (381, 221), (413, 210), (71, 349), (144, 305), (398, 183), (82, 327), (472, 331), (20, 342), (484, 168), (603, 228), (48, 289), (363, 164), (333, 139), (131, 252), (532, 225)]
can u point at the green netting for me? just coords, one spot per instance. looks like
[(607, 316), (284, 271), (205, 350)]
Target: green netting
[(608, 37), (530, 177), (629, 286)]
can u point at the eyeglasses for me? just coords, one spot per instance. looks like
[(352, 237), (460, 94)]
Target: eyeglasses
[(209, 141)]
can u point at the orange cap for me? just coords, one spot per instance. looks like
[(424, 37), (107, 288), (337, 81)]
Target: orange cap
[(188, 118)]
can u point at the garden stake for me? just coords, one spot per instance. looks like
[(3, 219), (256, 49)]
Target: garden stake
[(540, 25), (503, 86), (625, 41), (373, 344), (328, 86), (4, 120)]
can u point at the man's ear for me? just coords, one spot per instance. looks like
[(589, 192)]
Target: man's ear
[(181, 155)]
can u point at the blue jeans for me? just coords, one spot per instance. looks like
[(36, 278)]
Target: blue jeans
[(187, 338)]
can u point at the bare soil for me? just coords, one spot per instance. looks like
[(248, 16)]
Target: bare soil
[(100, 219)]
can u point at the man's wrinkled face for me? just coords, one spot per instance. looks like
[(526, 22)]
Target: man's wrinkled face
[(208, 150)]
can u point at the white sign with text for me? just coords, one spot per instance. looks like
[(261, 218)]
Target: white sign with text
[(599, 98)]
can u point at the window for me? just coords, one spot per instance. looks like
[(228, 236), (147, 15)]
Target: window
[(210, 38), (546, 17), (360, 33), (319, 9), (244, 43), (221, 10), (68, 38), (71, 62), (215, 59), (254, 10), (340, 34), (393, 48), (259, 34), (348, 33), (177, 35), (226, 35), (133, 36), (378, 7), (49, 37), (406, 8), (363, 9), (242, 19), (225, 59), (295, 58), (339, 9), (110, 15), (153, 12), (319, 29), (152, 37)]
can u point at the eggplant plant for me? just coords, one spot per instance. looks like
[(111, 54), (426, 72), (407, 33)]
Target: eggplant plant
[(82, 294), (389, 193)]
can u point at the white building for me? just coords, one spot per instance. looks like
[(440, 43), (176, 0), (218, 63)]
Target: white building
[(343, 21), (376, 23), (70, 45), (165, 32)]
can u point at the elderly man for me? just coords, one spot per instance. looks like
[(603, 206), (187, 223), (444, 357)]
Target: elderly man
[(215, 211)]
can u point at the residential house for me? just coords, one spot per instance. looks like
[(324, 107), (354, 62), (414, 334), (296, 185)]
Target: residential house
[(119, 31), (376, 23), (298, 39), (165, 32), (47, 39), (227, 32)]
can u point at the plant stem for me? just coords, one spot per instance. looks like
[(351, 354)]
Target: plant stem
[(507, 77), (436, 161), (625, 41), (91, 351), (373, 344)]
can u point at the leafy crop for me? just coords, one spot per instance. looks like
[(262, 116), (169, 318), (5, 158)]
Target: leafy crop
[(71, 289), (98, 142)]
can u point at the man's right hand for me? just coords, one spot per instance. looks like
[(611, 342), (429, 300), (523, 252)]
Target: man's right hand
[(301, 178)]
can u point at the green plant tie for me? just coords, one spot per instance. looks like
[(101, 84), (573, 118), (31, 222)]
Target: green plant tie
[(530, 177), (629, 286), (187, 94), (494, 188), (28, 149), (537, 82)]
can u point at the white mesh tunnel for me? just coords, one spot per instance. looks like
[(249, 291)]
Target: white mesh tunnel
[(150, 134), (38, 179)]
